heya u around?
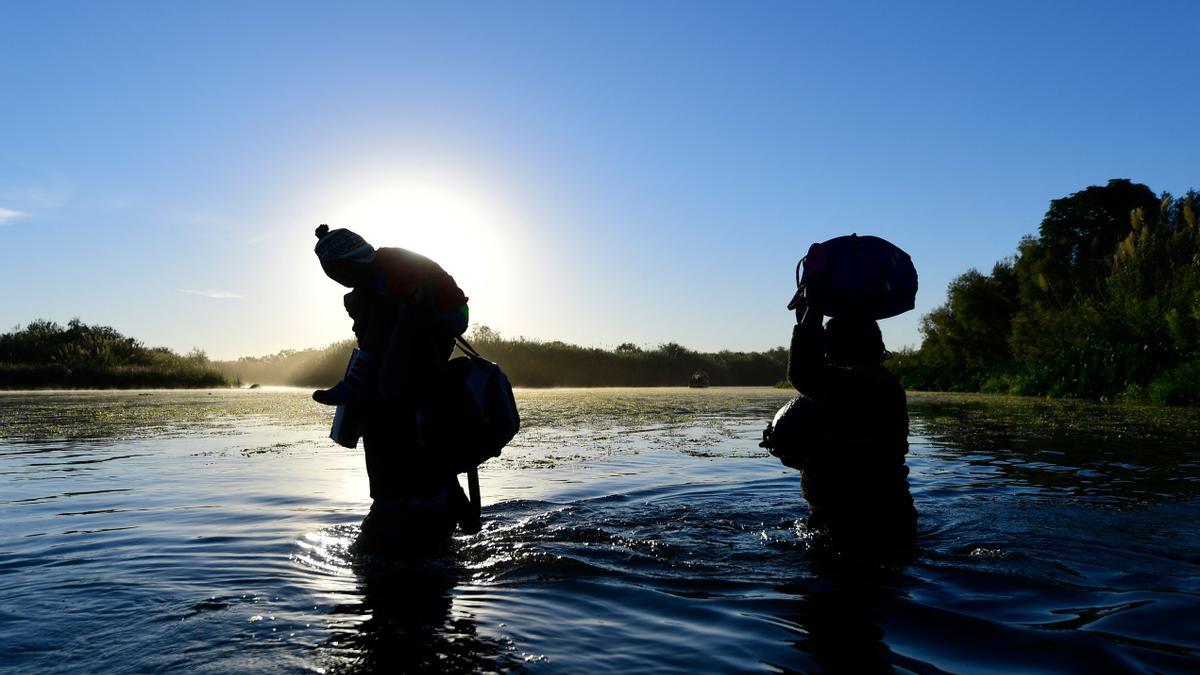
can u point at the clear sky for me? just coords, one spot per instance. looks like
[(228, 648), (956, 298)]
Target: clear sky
[(591, 172)]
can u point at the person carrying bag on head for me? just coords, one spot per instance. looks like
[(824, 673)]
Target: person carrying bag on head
[(847, 431)]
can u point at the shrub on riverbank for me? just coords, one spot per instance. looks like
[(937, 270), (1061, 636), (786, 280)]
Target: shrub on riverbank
[(44, 354)]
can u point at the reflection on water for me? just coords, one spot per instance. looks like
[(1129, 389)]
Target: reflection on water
[(627, 530), (398, 617)]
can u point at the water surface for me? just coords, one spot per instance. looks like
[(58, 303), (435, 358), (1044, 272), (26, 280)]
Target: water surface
[(626, 530)]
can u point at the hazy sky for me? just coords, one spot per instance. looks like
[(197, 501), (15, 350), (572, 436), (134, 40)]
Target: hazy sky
[(590, 172)]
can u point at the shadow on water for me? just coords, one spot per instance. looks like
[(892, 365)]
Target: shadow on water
[(856, 618), (411, 625), (399, 615), (838, 617)]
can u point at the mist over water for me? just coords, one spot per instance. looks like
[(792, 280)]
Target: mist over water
[(625, 530)]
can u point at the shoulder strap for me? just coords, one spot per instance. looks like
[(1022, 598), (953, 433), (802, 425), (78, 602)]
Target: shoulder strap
[(466, 347)]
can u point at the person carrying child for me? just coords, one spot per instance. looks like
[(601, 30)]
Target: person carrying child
[(407, 312)]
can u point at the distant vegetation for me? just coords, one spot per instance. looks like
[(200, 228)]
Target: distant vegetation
[(532, 363), (47, 355), (1103, 303), (291, 367)]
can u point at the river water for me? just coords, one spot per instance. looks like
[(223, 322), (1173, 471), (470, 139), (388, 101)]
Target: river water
[(627, 530)]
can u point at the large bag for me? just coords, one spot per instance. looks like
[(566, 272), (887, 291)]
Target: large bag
[(472, 413), (853, 275)]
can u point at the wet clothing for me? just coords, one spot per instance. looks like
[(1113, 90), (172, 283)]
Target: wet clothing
[(853, 472), (412, 526)]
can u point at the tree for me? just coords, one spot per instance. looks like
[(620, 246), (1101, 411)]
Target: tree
[(972, 328), (1073, 254)]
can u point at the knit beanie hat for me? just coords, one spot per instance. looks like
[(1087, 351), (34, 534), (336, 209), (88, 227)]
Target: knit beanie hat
[(342, 255), (341, 245)]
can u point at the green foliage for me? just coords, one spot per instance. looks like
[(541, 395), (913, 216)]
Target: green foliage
[(1104, 302), (971, 330), (1179, 385), (44, 354)]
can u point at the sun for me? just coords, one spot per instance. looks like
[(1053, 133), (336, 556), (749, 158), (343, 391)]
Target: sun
[(457, 226)]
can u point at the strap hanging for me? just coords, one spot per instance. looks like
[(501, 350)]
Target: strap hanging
[(466, 347)]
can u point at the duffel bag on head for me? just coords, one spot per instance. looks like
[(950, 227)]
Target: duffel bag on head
[(852, 275), (472, 415)]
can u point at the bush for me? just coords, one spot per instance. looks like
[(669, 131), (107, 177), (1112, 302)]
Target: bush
[(44, 354), (1177, 386)]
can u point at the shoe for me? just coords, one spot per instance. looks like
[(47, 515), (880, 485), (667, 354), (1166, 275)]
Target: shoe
[(356, 385)]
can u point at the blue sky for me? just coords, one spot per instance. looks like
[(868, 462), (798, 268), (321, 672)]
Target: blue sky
[(591, 172)]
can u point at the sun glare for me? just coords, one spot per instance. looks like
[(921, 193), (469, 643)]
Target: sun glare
[(460, 228)]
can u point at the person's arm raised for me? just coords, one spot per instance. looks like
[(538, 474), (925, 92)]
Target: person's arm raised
[(806, 361)]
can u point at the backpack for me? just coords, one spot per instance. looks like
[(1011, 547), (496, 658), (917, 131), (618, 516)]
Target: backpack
[(471, 414)]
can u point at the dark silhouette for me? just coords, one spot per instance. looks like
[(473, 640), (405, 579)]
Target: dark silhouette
[(841, 611), (852, 458), (407, 311), (410, 626), (847, 432), (1100, 304)]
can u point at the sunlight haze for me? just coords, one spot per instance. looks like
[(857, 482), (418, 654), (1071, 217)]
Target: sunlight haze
[(586, 174)]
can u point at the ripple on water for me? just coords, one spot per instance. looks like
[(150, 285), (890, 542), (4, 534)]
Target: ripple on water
[(649, 534)]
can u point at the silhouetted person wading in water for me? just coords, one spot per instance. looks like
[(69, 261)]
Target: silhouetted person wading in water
[(407, 311), (847, 432)]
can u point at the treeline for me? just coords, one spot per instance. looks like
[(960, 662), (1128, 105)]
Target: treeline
[(44, 354), (533, 363), (1103, 303)]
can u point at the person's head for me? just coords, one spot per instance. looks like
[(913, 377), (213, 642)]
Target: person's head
[(345, 256), (853, 341)]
